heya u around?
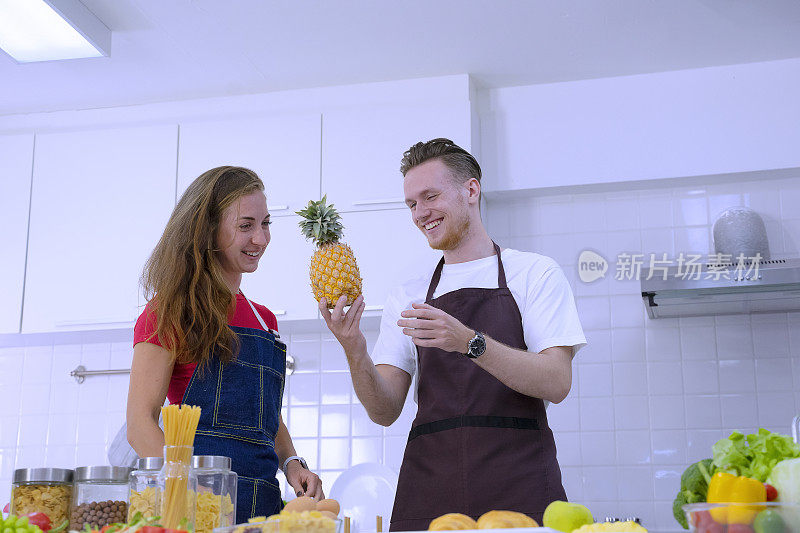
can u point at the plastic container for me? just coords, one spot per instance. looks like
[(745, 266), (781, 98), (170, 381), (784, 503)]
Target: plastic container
[(765, 516), (99, 496), (177, 484), (216, 492), (42, 490), (306, 522), (143, 487)]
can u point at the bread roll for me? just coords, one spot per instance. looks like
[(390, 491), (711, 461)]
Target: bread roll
[(300, 504), (504, 520), (452, 522)]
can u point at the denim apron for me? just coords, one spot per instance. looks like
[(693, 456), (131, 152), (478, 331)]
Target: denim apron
[(241, 408), (476, 445)]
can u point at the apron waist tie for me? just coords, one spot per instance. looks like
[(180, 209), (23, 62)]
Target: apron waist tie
[(480, 421)]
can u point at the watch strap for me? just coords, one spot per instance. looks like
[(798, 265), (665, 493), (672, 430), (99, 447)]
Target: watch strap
[(293, 458)]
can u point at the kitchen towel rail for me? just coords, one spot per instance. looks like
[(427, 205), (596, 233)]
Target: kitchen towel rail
[(80, 373)]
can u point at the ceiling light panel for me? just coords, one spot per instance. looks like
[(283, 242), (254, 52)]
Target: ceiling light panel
[(39, 30)]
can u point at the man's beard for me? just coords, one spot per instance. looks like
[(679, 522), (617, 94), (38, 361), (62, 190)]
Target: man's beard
[(453, 237)]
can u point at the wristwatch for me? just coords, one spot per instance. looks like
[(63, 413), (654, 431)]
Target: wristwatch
[(476, 346), (293, 458)]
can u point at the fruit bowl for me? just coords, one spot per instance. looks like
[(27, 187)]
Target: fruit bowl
[(764, 517)]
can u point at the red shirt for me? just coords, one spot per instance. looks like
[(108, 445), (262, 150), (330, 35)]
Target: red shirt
[(182, 372)]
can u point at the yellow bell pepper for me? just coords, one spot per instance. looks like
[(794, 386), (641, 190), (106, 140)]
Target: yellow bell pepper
[(728, 488)]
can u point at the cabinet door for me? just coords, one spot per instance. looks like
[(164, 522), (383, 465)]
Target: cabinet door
[(389, 250), (362, 149), (100, 201), (281, 282), (16, 160), (282, 150)]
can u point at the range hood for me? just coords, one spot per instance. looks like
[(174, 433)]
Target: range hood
[(722, 289)]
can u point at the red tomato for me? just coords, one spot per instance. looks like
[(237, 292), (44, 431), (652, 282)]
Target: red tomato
[(41, 520), (151, 529), (701, 517), (711, 527), (772, 492), (740, 528)]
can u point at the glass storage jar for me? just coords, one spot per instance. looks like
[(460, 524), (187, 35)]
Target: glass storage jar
[(42, 490), (216, 492), (143, 487), (177, 485), (99, 496)]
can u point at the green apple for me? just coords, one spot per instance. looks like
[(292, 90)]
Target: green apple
[(566, 516)]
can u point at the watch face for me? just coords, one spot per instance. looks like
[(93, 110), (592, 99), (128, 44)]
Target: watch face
[(477, 346)]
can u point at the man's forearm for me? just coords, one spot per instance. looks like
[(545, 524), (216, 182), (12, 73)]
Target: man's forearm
[(547, 375), (376, 397)]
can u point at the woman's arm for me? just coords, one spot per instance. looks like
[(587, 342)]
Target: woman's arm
[(150, 374), (304, 482)]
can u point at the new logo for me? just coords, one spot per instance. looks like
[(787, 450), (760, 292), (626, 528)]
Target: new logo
[(591, 266)]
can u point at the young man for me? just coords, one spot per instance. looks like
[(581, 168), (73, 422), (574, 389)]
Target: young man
[(491, 336)]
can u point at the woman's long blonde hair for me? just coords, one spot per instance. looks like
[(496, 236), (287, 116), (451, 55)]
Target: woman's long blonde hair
[(183, 279)]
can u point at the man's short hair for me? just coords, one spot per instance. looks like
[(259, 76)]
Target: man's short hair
[(460, 162)]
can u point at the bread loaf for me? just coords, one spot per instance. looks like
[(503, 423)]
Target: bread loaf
[(452, 522), (505, 520)]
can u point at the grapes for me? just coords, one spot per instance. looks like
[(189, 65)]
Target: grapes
[(14, 524)]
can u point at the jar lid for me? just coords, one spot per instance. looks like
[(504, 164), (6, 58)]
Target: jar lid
[(149, 463), (211, 461), (44, 475), (102, 473)]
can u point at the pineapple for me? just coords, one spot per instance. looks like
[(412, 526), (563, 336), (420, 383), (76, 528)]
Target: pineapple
[(333, 269)]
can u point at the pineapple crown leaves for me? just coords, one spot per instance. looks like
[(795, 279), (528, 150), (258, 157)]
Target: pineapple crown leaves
[(321, 222)]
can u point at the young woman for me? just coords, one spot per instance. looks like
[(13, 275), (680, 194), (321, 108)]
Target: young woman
[(200, 341)]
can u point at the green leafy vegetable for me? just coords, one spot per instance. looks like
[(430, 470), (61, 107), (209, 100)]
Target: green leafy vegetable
[(697, 477), (755, 455), (694, 487), (63, 526), (677, 509)]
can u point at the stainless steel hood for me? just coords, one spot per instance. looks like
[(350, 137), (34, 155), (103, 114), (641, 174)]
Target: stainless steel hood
[(722, 289)]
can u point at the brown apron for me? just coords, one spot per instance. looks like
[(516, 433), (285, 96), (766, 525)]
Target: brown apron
[(475, 445)]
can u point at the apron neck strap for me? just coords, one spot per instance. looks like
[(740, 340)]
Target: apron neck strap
[(437, 274), (501, 272), (258, 315)]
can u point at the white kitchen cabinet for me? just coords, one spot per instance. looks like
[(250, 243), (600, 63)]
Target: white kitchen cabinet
[(389, 250), (362, 149), (16, 161), (100, 201), (283, 150), (281, 281)]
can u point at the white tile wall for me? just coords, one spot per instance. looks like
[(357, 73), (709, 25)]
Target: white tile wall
[(648, 396), (47, 419), (652, 396)]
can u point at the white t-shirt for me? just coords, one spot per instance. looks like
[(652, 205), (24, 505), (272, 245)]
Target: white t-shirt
[(542, 293)]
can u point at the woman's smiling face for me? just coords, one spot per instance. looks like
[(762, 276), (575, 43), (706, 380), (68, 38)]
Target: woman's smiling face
[(243, 235)]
